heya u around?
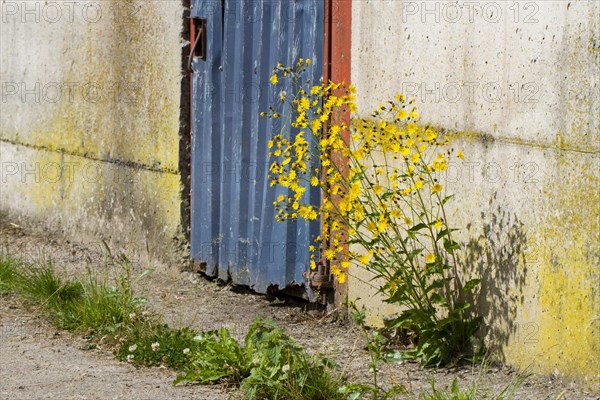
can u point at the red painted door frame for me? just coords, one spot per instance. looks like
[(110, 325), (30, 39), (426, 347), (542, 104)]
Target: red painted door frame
[(338, 23)]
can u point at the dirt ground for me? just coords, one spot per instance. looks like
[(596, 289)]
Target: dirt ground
[(39, 362)]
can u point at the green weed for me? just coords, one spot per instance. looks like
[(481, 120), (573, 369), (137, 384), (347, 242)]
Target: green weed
[(270, 365), (102, 307), (158, 344), (474, 391), (8, 273), (40, 285), (105, 308), (378, 354), (216, 356), (283, 370)]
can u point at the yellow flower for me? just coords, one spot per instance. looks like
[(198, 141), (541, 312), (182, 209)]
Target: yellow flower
[(280, 198), (329, 254), (430, 135), (365, 258), (304, 211), (313, 265), (438, 224), (414, 158), (345, 264), (460, 155), (437, 188), (430, 258), (359, 154), (335, 270), (308, 61), (419, 183), (355, 190), (402, 114), (274, 79), (372, 226), (412, 128), (341, 277), (314, 181), (396, 213), (359, 215), (315, 89), (407, 221), (304, 104), (377, 189)]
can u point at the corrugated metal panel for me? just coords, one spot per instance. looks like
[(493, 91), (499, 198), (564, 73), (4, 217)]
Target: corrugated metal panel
[(233, 226)]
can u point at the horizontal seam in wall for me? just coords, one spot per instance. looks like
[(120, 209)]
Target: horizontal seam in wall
[(487, 138), (129, 164), (548, 147)]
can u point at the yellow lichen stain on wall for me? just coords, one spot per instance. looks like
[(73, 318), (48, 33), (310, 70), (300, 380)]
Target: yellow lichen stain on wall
[(561, 333), (120, 80), (86, 196), (115, 128)]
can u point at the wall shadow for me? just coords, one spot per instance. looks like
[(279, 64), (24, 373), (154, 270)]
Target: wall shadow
[(497, 251)]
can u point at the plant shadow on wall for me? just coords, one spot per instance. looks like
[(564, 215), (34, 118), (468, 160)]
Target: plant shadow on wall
[(383, 208), (500, 255)]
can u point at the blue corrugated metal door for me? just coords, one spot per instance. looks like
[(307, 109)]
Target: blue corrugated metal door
[(234, 231)]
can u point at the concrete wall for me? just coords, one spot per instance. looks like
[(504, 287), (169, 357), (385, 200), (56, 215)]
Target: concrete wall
[(521, 80), (89, 135)]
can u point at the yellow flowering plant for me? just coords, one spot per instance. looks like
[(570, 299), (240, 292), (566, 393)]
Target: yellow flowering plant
[(382, 209)]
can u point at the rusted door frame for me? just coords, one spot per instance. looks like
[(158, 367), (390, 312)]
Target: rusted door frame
[(337, 68)]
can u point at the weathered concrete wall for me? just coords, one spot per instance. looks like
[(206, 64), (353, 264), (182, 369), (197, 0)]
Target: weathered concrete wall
[(521, 79), (89, 135)]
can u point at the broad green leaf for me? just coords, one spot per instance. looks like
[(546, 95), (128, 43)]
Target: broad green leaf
[(417, 227), (446, 199), (472, 284)]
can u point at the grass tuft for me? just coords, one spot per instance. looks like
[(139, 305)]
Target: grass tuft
[(8, 273), (40, 285), (474, 391)]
